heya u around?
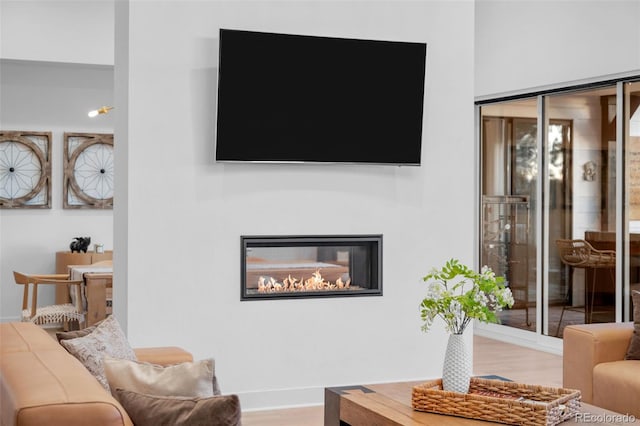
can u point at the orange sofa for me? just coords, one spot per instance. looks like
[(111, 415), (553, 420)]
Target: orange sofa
[(593, 362), (41, 383)]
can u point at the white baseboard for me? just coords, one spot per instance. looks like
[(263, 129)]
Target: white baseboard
[(528, 339), (281, 398), (10, 319)]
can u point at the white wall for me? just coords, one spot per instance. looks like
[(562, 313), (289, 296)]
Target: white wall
[(72, 31), (185, 213), (52, 97), (524, 44)]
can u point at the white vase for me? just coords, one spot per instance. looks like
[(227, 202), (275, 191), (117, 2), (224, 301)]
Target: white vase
[(456, 372)]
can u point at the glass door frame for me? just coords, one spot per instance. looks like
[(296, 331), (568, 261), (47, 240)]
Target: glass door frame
[(622, 273)]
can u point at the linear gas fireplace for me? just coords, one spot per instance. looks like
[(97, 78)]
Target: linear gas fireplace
[(310, 266)]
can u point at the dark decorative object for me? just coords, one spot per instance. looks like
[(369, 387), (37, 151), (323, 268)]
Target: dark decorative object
[(80, 244)]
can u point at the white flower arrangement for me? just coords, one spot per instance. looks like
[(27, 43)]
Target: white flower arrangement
[(457, 294)]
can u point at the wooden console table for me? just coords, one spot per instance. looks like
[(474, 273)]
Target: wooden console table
[(97, 290), (389, 404), (66, 258), (99, 293)]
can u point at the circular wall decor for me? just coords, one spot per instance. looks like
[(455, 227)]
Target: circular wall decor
[(88, 171), (25, 169)]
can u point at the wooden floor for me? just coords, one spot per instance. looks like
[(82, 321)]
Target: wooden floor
[(517, 363)]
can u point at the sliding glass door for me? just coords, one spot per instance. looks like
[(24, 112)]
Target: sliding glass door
[(580, 210), (510, 164), (553, 203), (631, 232)]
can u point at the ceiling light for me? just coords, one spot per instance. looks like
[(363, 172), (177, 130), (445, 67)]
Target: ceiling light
[(103, 110)]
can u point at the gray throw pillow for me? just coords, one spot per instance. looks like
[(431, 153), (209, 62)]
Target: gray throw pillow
[(634, 346)]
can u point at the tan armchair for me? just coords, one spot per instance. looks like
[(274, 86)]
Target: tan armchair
[(593, 362)]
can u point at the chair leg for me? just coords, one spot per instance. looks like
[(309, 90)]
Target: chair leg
[(593, 292), (564, 306), (560, 322)]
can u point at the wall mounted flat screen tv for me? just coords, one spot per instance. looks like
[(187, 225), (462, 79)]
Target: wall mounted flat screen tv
[(297, 98)]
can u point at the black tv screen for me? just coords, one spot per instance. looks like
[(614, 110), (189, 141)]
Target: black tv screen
[(296, 98)]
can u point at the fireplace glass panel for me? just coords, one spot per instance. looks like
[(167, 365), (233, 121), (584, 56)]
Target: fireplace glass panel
[(311, 266)]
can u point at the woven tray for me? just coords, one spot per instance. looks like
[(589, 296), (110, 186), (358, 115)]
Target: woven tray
[(499, 401)]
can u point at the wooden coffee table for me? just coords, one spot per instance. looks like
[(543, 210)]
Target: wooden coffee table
[(389, 404)]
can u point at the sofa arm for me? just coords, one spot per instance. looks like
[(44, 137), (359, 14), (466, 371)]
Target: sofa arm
[(585, 346), (165, 355)]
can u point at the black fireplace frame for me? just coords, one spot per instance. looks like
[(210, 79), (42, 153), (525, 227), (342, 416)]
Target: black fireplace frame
[(370, 240)]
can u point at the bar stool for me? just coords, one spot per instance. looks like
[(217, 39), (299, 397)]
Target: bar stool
[(581, 254)]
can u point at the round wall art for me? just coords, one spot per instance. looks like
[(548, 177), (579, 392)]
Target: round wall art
[(25, 169), (88, 171)]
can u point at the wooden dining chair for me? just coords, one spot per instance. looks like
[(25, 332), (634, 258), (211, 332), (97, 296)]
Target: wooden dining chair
[(49, 314)]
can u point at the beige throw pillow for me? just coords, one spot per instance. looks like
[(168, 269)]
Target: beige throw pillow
[(152, 410), (633, 352), (187, 379), (107, 339)]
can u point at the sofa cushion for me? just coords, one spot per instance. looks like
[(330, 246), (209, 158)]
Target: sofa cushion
[(164, 355), (24, 337), (634, 346), (107, 339), (616, 386), (187, 379), (50, 387), (150, 410)]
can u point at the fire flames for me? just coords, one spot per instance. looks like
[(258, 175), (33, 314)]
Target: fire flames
[(315, 282)]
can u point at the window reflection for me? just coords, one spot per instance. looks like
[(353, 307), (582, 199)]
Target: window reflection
[(579, 201), (510, 175)]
